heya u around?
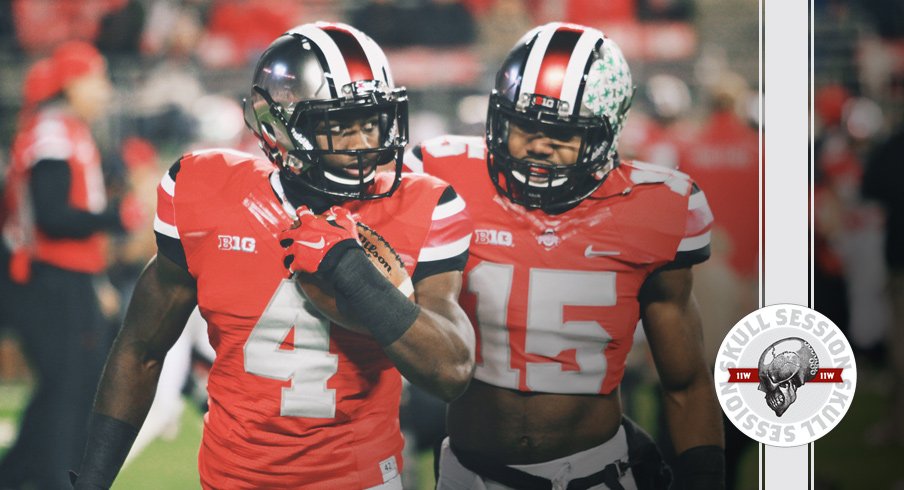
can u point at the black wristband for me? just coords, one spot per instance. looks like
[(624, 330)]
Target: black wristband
[(368, 298), (331, 259), (109, 441), (700, 468)]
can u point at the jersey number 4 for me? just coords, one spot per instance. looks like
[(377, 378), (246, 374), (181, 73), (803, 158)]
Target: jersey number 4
[(553, 354), (308, 364)]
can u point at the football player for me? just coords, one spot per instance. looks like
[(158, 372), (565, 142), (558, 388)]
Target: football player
[(572, 246), (295, 401)]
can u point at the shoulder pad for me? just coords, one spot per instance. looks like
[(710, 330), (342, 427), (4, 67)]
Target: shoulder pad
[(420, 180), (648, 173), (217, 171), (222, 156), (454, 146)]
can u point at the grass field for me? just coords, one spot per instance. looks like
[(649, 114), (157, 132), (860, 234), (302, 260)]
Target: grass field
[(844, 460)]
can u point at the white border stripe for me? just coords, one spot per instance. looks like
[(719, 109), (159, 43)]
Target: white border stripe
[(786, 225), (446, 251), (448, 209), (695, 242), (165, 228), (168, 184), (574, 74), (334, 60), (534, 60)]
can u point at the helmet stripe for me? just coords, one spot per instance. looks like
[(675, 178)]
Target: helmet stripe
[(352, 52), (577, 66), (551, 76), (331, 53), (379, 65), (539, 43)]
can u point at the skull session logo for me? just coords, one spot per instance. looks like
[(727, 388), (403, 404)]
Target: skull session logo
[(785, 375)]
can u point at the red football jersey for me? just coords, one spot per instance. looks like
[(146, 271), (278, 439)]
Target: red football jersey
[(554, 298), (295, 402), (54, 134)]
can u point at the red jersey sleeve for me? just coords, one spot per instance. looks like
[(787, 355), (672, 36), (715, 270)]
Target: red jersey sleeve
[(166, 231), (694, 247), (446, 244)]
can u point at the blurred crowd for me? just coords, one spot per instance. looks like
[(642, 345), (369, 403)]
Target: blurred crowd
[(179, 70)]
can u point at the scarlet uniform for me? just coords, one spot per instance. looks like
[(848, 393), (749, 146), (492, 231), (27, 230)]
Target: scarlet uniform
[(294, 401), (554, 297), (57, 135)]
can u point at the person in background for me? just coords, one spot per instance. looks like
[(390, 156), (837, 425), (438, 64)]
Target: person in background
[(883, 172), (723, 157), (58, 217), (572, 246)]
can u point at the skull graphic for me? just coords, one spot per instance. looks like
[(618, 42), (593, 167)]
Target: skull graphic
[(784, 367)]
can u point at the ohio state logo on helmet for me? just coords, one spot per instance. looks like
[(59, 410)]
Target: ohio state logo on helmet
[(785, 375)]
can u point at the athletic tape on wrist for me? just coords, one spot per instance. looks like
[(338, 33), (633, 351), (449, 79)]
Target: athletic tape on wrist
[(368, 298), (109, 441)]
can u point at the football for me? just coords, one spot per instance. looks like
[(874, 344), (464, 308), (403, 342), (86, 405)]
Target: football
[(381, 255)]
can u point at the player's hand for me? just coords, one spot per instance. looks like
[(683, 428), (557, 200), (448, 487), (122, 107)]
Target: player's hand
[(318, 242)]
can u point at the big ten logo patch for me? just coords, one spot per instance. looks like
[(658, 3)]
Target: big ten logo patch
[(785, 375), (236, 243), (501, 238)]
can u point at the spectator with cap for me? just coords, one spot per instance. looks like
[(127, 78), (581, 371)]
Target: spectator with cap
[(58, 213)]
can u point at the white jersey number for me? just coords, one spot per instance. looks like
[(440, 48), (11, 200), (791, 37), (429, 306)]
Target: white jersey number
[(308, 365), (548, 334)]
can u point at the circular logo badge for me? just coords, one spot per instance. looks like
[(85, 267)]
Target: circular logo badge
[(785, 375)]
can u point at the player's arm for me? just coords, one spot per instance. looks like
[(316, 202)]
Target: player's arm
[(161, 304), (672, 324), (437, 351), (162, 301), (430, 340)]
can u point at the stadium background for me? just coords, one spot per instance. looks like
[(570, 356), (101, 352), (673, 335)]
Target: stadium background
[(181, 67)]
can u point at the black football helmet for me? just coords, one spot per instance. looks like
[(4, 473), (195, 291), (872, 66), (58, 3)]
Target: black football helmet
[(559, 79), (307, 80)]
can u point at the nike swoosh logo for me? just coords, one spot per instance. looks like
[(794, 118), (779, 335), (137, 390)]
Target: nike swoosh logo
[(590, 252), (315, 245)]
